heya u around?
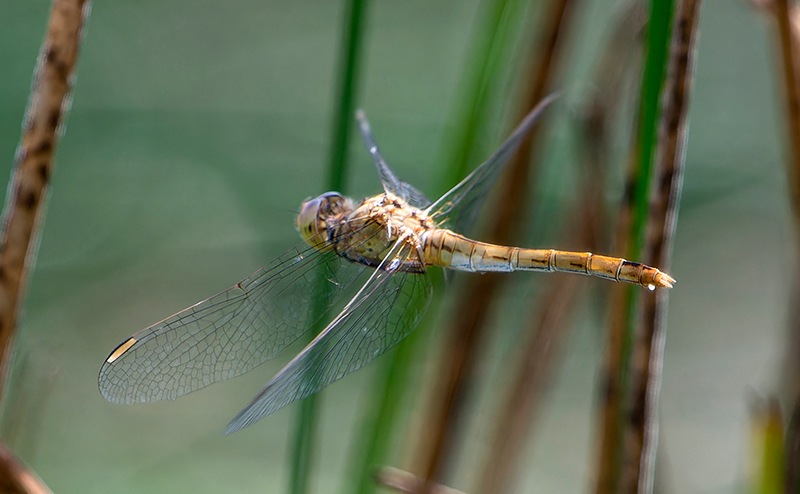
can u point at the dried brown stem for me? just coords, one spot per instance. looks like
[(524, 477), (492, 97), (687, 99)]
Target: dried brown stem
[(787, 16), (787, 20), (33, 162), (32, 169), (468, 327), (669, 167), (16, 478), (612, 397), (627, 454), (548, 329), (547, 332), (550, 323), (611, 392), (790, 63), (402, 481)]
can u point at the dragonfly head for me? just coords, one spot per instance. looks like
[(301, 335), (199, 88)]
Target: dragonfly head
[(312, 222)]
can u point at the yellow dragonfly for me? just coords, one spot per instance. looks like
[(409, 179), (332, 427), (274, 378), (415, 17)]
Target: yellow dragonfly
[(369, 258)]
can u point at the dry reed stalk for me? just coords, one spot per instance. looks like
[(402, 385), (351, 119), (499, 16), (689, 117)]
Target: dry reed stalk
[(548, 328), (669, 168), (402, 481), (463, 336), (787, 17), (33, 162), (49, 100), (16, 478), (550, 323)]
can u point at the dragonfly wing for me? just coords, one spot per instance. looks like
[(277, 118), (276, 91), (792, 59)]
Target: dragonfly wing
[(391, 183), (460, 204), (227, 334), (381, 314)]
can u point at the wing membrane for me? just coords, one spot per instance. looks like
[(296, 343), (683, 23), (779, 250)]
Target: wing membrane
[(380, 315), (460, 204), (229, 333), (391, 183)]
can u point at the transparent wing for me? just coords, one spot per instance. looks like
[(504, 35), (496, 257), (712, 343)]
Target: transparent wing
[(460, 204), (389, 180), (229, 333), (385, 310)]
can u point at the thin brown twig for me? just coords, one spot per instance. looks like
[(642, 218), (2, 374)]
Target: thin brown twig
[(33, 163), (550, 323), (611, 392), (468, 327), (792, 91), (32, 169), (787, 20), (403, 481), (669, 168), (786, 17), (611, 389), (548, 328), (16, 478)]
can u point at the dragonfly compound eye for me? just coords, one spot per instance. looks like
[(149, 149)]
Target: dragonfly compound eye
[(308, 222), (312, 222)]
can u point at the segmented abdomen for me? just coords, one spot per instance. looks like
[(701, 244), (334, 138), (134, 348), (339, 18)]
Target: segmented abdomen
[(447, 249)]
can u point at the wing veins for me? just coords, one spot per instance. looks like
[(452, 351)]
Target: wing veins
[(260, 405)]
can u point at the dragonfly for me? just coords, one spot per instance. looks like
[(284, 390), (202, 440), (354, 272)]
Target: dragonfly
[(369, 259)]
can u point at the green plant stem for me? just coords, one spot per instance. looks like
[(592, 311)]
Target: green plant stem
[(348, 69), (656, 57), (490, 42), (349, 64), (658, 38)]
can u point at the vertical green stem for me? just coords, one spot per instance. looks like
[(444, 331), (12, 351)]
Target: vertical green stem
[(658, 39), (489, 44), (343, 115), (348, 67)]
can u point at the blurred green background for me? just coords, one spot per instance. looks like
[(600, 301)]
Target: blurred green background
[(196, 130)]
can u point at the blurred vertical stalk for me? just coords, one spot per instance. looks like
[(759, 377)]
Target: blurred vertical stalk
[(788, 35), (618, 465), (463, 336), (33, 163), (489, 42), (49, 100), (16, 478), (347, 70), (551, 319), (786, 14), (790, 65), (350, 54), (663, 212), (548, 326)]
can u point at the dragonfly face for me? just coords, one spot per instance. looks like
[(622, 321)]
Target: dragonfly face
[(317, 214)]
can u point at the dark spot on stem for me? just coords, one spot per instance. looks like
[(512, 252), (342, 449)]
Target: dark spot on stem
[(28, 199), (666, 179), (53, 119), (45, 146), (44, 171)]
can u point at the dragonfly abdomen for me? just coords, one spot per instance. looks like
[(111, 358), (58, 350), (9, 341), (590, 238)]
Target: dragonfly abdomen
[(448, 249)]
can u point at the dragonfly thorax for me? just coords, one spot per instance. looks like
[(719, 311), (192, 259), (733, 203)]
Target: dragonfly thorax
[(382, 226)]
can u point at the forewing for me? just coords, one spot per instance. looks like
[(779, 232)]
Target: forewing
[(391, 183), (227, 334), (382, 313), (459, 205)]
